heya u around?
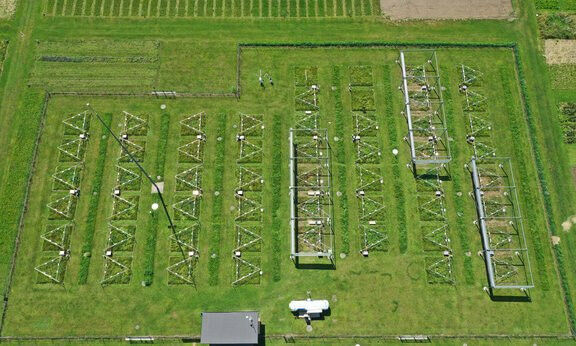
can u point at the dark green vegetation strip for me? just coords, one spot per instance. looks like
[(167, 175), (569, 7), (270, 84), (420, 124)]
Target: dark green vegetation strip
[(152, 235), (93, 206), (457, 180), (398, 187), (277, 219), (341, 158), (568, 121), (215, 234), (544, 186)]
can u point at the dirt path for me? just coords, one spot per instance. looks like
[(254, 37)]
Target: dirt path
[(447, 9)]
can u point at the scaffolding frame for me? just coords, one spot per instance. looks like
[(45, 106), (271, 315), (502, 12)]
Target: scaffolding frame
[(498, 184), (311, 203), (424, 111)]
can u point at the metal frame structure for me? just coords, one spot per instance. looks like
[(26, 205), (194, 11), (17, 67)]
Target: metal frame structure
[(248, 193), (311, 205), (424, 111), (500, 223)]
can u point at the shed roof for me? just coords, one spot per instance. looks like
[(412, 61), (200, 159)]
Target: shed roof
[(230, 327)]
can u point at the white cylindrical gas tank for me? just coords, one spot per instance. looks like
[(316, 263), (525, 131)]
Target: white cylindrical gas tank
[(310, 306)]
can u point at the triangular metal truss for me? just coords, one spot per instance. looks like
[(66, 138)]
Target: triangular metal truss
[(64, 206), (115, 271), (373, 238), (190, 179), (246, 239), (367, 152), (126, 176), (249, 151), (474, 101), (436, 237), (307, 120), (188, 207), (118, 236), (312, 177), (365, 124), (123, 206), (58, 236), (314, 207), (68, 176), (249, 179), (53, 269), (483, 149), (133, 124), (248, 209), (186, 238), (78, 123), (432, 208), (308, 99), (193, 125), (245, 271), (371, 209), (183, 270), (369, 178), (73, 148), (470, 76), (439, 270), (250, 124), (314, 237), (136, 150), (311, 150), (192, 151), (507, 266), (503, 236), (479, 125)]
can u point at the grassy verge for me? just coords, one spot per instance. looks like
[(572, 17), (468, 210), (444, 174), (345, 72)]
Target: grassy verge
[(276, 199)]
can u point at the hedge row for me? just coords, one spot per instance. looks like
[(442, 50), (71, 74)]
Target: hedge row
[(341, 158), (93, 205), (215, 234), (396, 169)]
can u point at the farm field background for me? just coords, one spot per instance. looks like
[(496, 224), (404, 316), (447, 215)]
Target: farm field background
[(58, 53)]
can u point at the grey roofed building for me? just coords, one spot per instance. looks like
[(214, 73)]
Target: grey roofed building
[(230, 327)]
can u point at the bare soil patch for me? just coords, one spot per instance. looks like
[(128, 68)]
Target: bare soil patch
[(447, 9), (560, 51)]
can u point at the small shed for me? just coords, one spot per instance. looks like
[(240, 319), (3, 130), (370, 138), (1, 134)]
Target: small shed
[(230, 327)]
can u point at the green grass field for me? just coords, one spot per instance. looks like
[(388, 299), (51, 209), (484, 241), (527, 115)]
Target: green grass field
[(143, 287), (398, 271)]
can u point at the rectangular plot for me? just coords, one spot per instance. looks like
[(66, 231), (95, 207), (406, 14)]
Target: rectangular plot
[(73, 48), (254, 8), (311, 8), (163, 6), (357, 7)]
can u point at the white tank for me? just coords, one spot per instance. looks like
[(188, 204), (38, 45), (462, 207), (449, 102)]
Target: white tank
[(310, 306)]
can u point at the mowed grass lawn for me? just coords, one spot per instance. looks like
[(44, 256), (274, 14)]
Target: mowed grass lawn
[(386, 293)]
